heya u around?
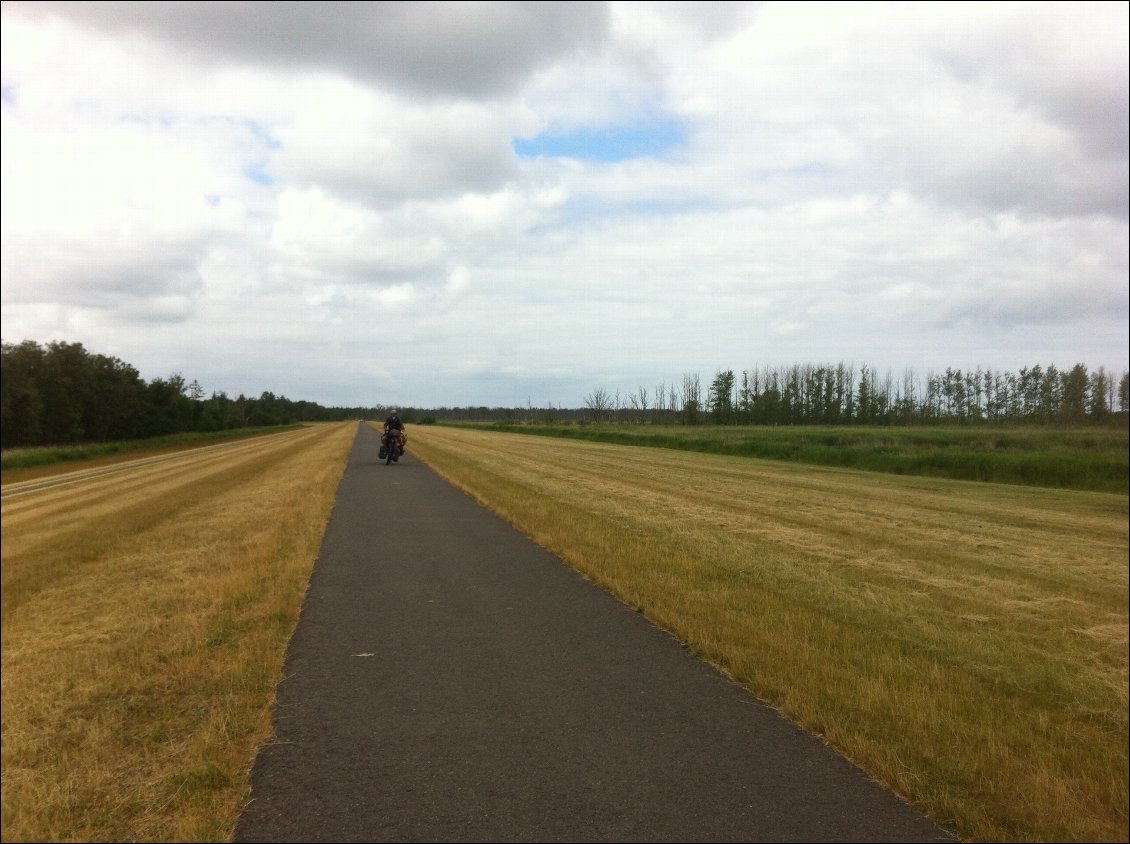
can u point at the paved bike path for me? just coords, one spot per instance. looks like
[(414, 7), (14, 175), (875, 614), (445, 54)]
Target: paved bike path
[(450, 680)]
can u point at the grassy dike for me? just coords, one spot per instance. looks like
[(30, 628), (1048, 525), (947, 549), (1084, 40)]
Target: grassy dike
[(145, 617), (965, 643)]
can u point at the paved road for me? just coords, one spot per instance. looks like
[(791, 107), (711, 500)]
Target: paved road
[(450, 680)]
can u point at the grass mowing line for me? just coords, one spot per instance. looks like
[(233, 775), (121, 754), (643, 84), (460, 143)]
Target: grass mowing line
[(965, 643), (37, 461), (137, 685), (120, 464), (40, 529), (143, 471)]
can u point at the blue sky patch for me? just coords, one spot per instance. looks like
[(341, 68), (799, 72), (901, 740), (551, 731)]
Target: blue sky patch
[(262, 134), (609, 143), (257, 173)]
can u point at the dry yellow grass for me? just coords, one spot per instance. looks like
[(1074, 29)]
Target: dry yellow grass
[(965, 643), (145, 618)]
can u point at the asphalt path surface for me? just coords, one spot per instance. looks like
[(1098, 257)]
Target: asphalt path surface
[(450, 680)]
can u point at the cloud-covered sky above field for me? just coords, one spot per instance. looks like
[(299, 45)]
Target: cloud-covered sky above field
[(450, 204)]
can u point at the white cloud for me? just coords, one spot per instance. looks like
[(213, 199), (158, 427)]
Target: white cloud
[(317, 233), (256, 195)]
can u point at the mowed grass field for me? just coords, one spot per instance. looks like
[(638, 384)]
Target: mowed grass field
[(965, 643), (146, 609)]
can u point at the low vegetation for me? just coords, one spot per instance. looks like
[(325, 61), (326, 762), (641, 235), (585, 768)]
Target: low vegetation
[(1093, 458)]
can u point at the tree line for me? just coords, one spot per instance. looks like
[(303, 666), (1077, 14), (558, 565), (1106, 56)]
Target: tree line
[(61, 394), (842, 395)]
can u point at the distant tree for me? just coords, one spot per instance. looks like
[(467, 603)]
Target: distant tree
[(639, 401), (1050, 395), (865, 398), (115, 403), (21, 404), (841, 404), (64, 385), (744, 405), (691, 414), (1099, 388), (169, 409), (599, 403), (691, 398), (1074, 395), (768, 408), (721, 397)]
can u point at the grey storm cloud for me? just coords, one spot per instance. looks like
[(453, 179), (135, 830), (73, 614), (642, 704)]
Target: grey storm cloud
[(1087, 93), (82, 278), (443, 49)]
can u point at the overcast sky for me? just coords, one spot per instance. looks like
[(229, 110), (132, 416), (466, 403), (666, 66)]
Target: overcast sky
[(450, 204)]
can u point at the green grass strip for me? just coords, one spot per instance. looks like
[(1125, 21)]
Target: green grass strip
[(1090, 459)]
